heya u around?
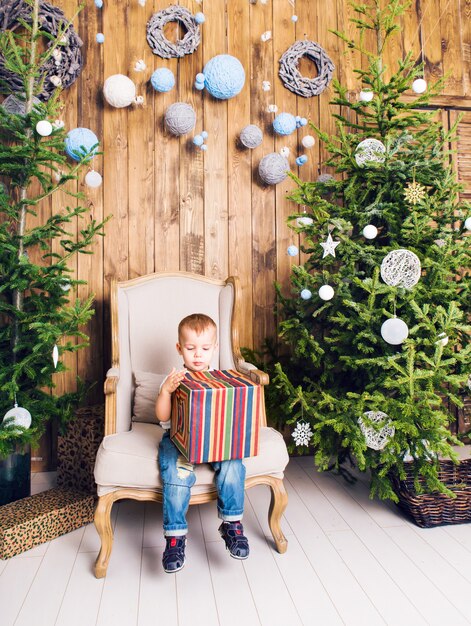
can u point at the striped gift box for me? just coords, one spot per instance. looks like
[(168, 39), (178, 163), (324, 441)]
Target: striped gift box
[(216, 416)]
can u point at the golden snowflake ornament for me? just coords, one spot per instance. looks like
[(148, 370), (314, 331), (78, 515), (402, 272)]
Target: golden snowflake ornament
[(414, 193)]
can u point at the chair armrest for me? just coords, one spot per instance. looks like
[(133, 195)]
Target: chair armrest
[(110, 388), (256, 375)]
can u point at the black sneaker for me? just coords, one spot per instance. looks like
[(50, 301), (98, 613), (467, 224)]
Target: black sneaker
[(173, 558), (235, 540)]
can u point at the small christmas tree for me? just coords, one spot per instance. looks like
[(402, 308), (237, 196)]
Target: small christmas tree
[(375, 322), (39, 319)]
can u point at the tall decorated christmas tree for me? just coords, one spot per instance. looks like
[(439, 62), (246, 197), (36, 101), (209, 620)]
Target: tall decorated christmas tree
[(376, 320), (40, 317)]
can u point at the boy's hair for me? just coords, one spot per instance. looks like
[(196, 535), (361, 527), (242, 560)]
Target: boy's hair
[(198, 322)]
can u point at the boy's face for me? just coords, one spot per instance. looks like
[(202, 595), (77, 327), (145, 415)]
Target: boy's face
[(197, 349)]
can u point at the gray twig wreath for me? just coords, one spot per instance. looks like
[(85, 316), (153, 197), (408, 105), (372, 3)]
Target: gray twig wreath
[(161, 45), (291, 76), (65, 64)]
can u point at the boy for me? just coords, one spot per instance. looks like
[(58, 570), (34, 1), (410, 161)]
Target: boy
[(197, 342)]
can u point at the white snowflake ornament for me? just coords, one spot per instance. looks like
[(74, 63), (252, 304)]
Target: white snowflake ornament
[(302, 434)]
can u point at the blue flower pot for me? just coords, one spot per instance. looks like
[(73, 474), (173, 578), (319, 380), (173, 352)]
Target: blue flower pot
[(15, 476)]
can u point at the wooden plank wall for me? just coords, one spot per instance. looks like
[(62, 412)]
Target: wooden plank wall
[(175, 207)]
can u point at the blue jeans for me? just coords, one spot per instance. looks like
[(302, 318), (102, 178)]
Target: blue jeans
[(178, 478)]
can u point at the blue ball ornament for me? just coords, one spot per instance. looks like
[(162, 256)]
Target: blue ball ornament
[(224, 76), (204, 134), (198, 140), (162, 80), (200, 18), (303, 121), (292, 250), (204, 147), (284, 124), (306, 294), (199, 86), (200, 78), (98, 4), (100, 37), (294, 18), (299, 161), (80, 143)]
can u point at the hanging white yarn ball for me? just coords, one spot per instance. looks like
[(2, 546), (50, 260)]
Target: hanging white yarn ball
[(119, 91), (366, 95), (306, 294), (394, 331), (251, 136), (304, 220), (44, 128), (93, 179), (326, 292), (180, 118), (401, 268), (308, 141), (419, 85), (18, 416), (273, 168), (370, 231), (376, 439), (370, 151)]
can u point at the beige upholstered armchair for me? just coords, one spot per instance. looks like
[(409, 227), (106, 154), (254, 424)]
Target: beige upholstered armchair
[(144, 314)]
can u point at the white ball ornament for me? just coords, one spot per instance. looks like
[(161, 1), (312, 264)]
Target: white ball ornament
[(326, 292), (443, 339), (376, 439), (467, 223), (394, 331), (366, 95), (401, 268), (93, 179), (44, 128), (419, 85), (119, 91), (304, 220), (370, 231), (308, 141), (292, 250), (55, 355), (306, 294), (18, 416)]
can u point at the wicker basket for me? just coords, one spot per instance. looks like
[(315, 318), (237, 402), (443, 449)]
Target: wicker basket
[(437, 509)]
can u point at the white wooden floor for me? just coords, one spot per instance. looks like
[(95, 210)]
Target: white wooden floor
[(350, 560)]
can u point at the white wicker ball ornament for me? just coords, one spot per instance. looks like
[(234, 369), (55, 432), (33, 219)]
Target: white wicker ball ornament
[(251, 136), (119, 91), (304, 220), (93, 179), (180, 118), (376, 439), (308, 141), (419, 85), (366, 95), (18, 416), (326, 292), (370, 151), (44, 128), (401, 268), (273, 168), (394, 331), (370, 231)]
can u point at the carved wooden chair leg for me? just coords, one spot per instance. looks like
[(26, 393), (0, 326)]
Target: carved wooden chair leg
[(279, 500), (105, 531)]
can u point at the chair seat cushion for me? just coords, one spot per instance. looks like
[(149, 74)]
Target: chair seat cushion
[(129, 459)]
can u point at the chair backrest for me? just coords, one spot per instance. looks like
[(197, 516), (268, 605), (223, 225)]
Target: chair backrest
[(145, 313)]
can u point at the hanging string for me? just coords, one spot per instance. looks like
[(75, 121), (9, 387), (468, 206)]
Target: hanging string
[(422, 44)]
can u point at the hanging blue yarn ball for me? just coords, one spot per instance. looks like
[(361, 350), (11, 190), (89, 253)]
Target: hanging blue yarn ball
[(79, 143), (100, 37), (303, 121), (204, 134), (306, 294), (204, 147), (200, 18), (224, 76), (284, 124), (200, 78), (301, 160), (98, 4), (199, 86), (292, 250), (294, 18), (162, 80), (198, 140)]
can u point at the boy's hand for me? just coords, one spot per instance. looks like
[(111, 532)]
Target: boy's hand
[(173, 380)]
